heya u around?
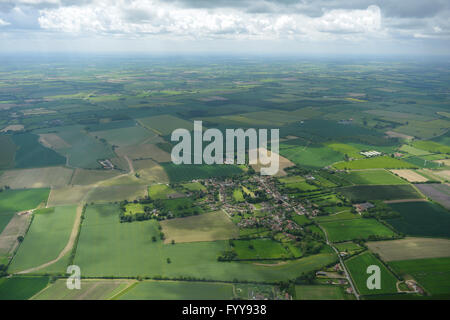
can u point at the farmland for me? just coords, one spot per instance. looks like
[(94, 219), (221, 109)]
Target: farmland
[(372, 177), (186, 172), (343, 230), (421, 219), (373, 163), (358, 265), (432, 274), (21, 288), (318, 292), (50, 229), (209, 226), (20, 200), (364, 193), (178, 290), (411, 248), (36, 178)]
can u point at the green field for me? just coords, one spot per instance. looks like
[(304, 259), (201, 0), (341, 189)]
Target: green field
[(124, 136), (188, 172), (91, 289), (345, 215), (412, 150), (382, 162), (313, 157), (30, 153), (20, 200), (364, 193), (108, 247), (421, 219), (259, 249), (431, 146), (50, 229), (432, 274), (8, 151), (194, 186), (209, 226), (318, 292), (373, 177), (21, 288), (178, 290), (165, 124), (238, 196), (343, 230), (36, 178), (358, 265), (160, 191)]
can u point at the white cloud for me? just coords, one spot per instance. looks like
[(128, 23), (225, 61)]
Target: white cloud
[(3, 23), (167, 20)]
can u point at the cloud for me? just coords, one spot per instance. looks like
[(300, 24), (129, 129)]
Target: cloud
[(166, 18), (3, 23)]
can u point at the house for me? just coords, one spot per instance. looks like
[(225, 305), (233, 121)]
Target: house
[(360, 207)]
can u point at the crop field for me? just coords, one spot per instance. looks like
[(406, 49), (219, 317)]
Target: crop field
[(412, 150), (349, 150), (117, 193), (124, 136), (346, 214), (127, 249), (36, 178), (432, 274), (30, 153), (50, 229), (358, 265), (20, 200), (437, 192), (349, 247), (431, 146), (343, 230), (421, 162), (144, 151), (165, 124), (382, 162), (410, 175), (209, 226), (425, 129), (21, 288), (194, 186), (188, 172), (179, 290), (310, 156), (411, 248), (161, 191), (260, 249), (421, 219), (8, 151), (67, 195), (318, 292), (373, 177), (150, 171), (84, 177), (364, 193), (91, 289), (5, 217)]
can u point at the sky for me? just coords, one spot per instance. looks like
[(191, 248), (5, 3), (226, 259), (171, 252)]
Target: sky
[(397, 27)]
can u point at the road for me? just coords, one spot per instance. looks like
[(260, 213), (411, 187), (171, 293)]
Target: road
[(347, 275)]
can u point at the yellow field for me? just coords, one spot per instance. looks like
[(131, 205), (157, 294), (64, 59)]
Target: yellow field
[(209, 226), (283, 164), (411, 248), (409, 175)]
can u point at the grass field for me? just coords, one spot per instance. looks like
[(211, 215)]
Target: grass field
[(86, 177), (30, 153), (117, 193), (188, 172), (432, 274), (358, 265), (21, 288), (431, 146), (209, 226), (144, 151), (344, 230), (194, 186), (36, 178), (318, 292), (260, 249), (297, 183), (165, 124), (373, 177), (345, 215), (411, 248), (238, 196), (160, 191), (5, 217), (108, 247), (412, 150), (313, 157), (8, 151), (364, 193), (50, 229), (421, 219), (20, 200), (91, 289), (124, 136), (179, 290), (382, 162)]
